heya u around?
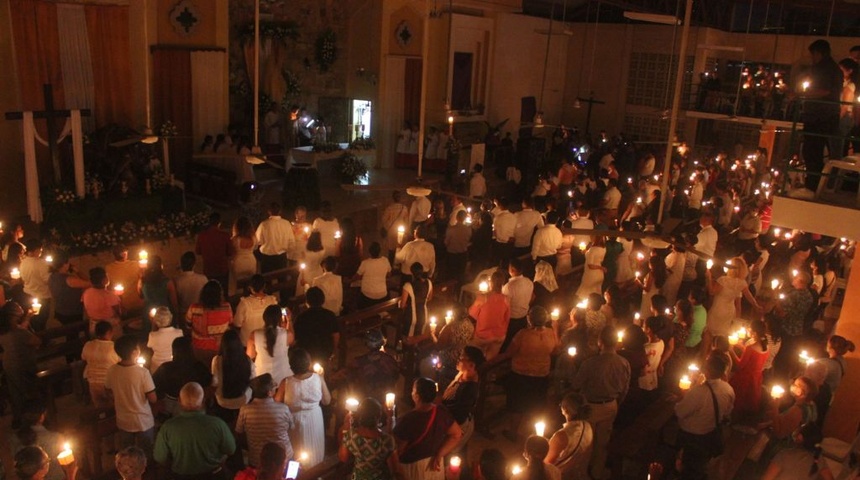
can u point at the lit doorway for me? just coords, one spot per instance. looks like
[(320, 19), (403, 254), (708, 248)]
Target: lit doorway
[(361, 116)]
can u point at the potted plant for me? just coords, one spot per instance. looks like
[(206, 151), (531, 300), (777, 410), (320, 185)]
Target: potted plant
[(351, 168)]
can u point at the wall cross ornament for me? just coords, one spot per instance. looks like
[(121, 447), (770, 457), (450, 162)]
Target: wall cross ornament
[(185, 18)]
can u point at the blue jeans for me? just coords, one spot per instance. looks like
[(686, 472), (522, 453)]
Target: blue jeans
[(142, 440)]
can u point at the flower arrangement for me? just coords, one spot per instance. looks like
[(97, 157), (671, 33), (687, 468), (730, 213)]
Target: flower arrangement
[(362, 143), (159, 180), (351, 168), (274, 30), (108, 235), (326, 49), (168, 129), (326, 147)]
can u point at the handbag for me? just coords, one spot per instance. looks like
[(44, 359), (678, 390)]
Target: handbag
[(717, 447)]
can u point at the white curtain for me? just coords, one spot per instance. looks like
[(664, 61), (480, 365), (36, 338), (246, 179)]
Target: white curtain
[(75, 59), (31, 173), (392, 118), (208, 94)]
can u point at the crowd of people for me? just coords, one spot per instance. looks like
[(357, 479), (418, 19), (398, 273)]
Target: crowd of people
[(574, 286)]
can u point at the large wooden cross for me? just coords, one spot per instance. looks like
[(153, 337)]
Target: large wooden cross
[(590, 101), (50, 115)]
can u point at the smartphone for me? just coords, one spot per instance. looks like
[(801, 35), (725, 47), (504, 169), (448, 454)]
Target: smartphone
[(292, 470)]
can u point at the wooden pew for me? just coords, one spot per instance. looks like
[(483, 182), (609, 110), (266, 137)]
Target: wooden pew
[(354, 324)]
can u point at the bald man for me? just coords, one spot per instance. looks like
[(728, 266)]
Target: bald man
[(192, 444)]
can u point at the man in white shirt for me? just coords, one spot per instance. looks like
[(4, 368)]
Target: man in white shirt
[(477, 184), (249, 311), (706, 243), (328, 226), (749, 229), (457, 239), (547, 241), (612, 198), (456, 207), (697, 416), (520, 291), (697, 192), (35, 272), (373, 273), (394, 216), (331, 285), (419, 211), (188, 283), (418, 250), (504, 225), (528, 220), (582, 221), (274, 238)]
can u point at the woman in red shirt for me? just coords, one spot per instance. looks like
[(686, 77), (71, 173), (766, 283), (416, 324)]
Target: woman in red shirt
[(209, 318), (492, 311)]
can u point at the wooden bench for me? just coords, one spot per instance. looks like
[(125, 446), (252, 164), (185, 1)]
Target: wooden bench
[(95, 425), (355, 324)]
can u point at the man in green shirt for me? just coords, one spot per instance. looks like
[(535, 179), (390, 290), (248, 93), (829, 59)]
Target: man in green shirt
[(700, 317), (192, 444)]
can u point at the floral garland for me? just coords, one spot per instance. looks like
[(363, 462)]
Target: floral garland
[(326, 49), (163, 228), (62, 195), (362, 143), (168, 129)]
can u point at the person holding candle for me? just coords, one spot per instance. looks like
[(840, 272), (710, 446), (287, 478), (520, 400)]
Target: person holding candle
[(243, 263), (570, 447), (395, 215), (156, 289), (820, 115), (374, 452), (457, 240), (328, 226), (317, 329), (161, 339), (269, 346), (491, 312), (133, 392), (592, 277), (700, 412), (218, 249), (66, 291), (265, 420), (727, 292), (100, 303), (181, 369), (275, 239), (350, 249), (536, 449), (417, 293), (34, 463), (273, 464), (99, 354), (426, 434), (548, 241), (208, 319), (19, 344), (124, 272), (232, 372), (33, 433), (837, 347), (653, 352), (249, 311), (372, 374), (35, 274), (653, 282), (793, 310), (461, 395), (546, 292), (194, 444), (450, 341), (747, 377), (781, 423), (187, 283), (303, 392)]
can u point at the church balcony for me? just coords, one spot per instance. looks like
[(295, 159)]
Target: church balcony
[(833, 210)]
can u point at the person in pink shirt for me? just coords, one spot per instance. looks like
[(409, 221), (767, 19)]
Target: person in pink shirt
[(101, 304), (492, 311)]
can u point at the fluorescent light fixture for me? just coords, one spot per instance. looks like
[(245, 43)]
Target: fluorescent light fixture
[(256, 156), (652, 18), (725, 48)]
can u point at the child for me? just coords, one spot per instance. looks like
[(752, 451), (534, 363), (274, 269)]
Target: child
[(99, 355), (161, 339), (653, 352), (133, 392), (101, 304)]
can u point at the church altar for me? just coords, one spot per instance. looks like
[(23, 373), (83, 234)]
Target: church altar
[(325, 162), (229, 162)]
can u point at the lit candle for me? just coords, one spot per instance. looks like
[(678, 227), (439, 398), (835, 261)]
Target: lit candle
[(620, 336), (118, 289), (303, 457), (351, 405), (318, 369), (571, 351), (401, 231), (516, 469), (449, 315), (143, 255), (668, 312), (283, 312), (37, 307), (794, 273), (777, 392), (455, 464), (639, 200), (636, 318), (774, 284), (303, 266), (742, 333), (638, 274), (435, 361), (141, 361), (555, 315), (776, 232), (540, 428), (709, 264), (733, 339), (307, 230), (15, 274), (582, 246), (685, 383), (483, 287), (640, 256), (389, 400), (66, 457), (152, 312), (450, 120), (49, 259), (806, 85), (337, 234), (432, 323), (693, 367), (787, 235), (782, 296)]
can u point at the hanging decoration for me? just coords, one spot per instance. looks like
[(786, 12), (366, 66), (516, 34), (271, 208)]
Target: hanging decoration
[(326, 49)]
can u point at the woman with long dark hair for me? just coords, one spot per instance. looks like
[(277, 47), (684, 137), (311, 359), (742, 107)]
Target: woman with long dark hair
[(314, 254), (417, 292), (156, 289), (209, 318), (653, 282), (350, 248), (232, 372), (303, 392), (269, 346)]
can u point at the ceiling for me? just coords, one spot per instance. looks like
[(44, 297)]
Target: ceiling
[(797, 17)]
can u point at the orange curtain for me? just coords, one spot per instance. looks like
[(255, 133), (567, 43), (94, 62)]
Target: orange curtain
[(412, 90), (171, 100), (107, 29), (37, 50)]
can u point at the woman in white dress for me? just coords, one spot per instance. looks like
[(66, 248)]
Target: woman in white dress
[(244, 263), (417, 293), (676, 261), (269, 346), (303, 392), (726, 292), (652, 283), (592, 275), (624, 273), (312, 261)]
